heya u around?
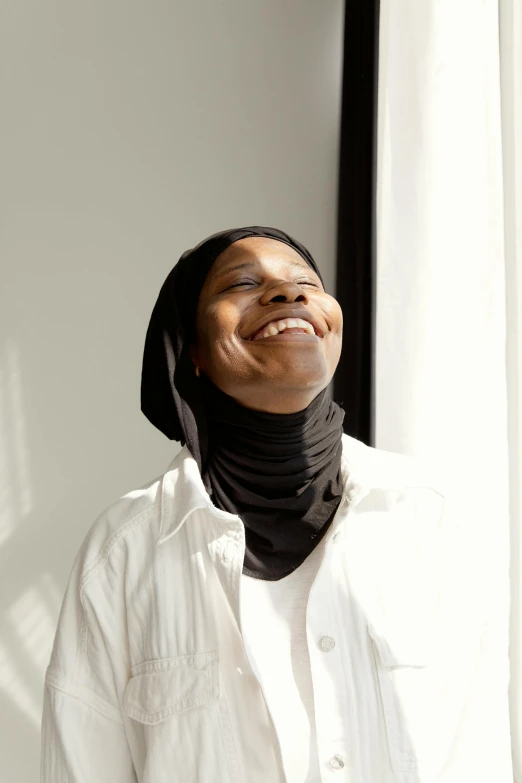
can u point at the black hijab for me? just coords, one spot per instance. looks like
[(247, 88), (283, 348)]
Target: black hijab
[(280, 473)]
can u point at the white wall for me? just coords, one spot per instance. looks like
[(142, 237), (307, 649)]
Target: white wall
[(130, 131)]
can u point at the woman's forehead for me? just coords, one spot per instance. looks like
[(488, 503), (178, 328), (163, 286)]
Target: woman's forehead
[(256, 250)]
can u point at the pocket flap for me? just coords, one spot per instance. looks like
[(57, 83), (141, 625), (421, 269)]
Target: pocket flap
[(402, 647), (166, 686)]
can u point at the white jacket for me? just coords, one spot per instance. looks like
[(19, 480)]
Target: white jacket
[(149, 679)]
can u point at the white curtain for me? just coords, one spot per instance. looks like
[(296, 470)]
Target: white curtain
[(448, 266), (511, 91)]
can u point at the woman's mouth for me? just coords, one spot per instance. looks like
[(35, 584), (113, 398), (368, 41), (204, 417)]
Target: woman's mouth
[(285, 328)]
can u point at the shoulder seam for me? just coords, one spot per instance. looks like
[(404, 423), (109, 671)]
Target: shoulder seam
[(103, 557)]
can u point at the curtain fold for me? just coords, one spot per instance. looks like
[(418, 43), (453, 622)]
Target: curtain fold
[(511, 100)]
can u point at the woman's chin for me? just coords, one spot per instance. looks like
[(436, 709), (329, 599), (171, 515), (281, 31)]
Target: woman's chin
[(287, 394)]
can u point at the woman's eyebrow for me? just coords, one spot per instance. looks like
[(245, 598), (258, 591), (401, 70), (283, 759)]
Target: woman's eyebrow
[(243, 265), (252, 264)]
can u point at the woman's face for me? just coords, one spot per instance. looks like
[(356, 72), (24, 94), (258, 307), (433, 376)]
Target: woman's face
[(255, 284)]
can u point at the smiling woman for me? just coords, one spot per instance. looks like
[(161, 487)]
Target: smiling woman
[(284, 602)]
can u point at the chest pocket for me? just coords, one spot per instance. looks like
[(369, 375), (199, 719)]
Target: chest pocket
[(424, 636), (424, 685), (180, 722), (406, 685)]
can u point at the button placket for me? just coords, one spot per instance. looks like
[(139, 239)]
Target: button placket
[(327, 668)]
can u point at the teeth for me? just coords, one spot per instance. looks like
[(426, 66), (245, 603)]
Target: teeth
[(291, 323), (305, 325)]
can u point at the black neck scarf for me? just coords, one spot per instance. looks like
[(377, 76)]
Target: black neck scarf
[(280, 473)]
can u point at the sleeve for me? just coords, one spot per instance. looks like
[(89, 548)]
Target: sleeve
[(83, 738)]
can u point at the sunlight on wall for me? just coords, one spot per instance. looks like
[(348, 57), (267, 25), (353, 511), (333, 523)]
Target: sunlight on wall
[(7, 515), (53, 596), (18, 427), (28, 619), (34, 625), (32, 620), (15, 485), (14, 687)]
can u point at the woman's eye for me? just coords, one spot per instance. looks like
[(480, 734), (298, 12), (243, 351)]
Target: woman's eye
[(242, 282), (254, 282)]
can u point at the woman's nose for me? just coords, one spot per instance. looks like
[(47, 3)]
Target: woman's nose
[(284, 292)]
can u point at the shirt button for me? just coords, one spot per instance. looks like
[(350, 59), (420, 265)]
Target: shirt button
[(327, 643), (337, 762)]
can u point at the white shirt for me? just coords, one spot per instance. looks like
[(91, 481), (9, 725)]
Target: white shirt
[(150, 680), (273, 616)]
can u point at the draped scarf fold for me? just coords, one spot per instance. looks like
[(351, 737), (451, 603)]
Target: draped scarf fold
[(280, 473)]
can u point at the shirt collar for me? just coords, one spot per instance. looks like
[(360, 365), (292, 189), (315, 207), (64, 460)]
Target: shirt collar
[(364, 468)]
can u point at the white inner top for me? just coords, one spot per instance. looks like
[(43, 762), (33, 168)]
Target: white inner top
[(273, 618)]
